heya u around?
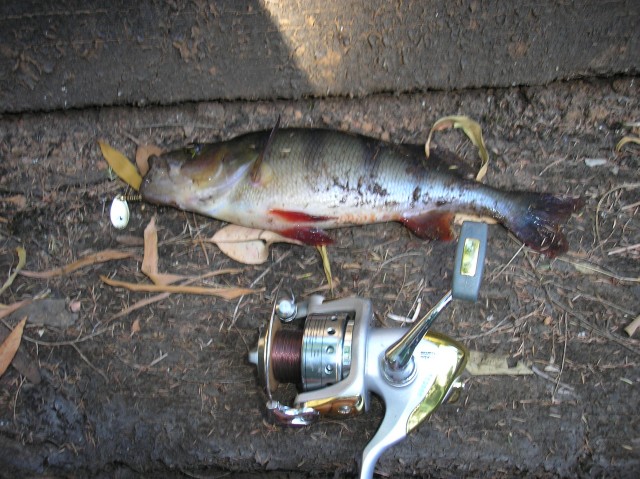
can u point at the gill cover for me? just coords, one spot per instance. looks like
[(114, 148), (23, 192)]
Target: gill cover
[(199, 174)]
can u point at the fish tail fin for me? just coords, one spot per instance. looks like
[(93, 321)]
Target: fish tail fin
[(536, 220)]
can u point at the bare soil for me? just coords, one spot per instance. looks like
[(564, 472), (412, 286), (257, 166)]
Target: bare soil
[(178, 398)]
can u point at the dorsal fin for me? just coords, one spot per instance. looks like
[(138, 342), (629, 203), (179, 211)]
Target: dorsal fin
[(255, 169)]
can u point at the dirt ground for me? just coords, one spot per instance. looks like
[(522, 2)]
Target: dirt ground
[(174, 395)]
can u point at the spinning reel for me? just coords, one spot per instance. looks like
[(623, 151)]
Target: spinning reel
[(337, 358)]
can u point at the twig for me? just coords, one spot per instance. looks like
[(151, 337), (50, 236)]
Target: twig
[(544, 375), (597, 224), (597, 269), (86, 360), (582, 321), (564, 356), (501, 270), (253, 283), (623, 249), (496, 328), (15, 399)]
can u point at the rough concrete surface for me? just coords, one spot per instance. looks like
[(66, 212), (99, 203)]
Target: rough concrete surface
[(72, 54)]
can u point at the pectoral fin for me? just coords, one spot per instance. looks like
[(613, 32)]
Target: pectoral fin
[(432, 225)]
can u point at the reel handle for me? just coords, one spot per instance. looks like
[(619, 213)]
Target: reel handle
[(398, 364)]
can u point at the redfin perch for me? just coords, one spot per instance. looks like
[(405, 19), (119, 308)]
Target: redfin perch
[(301, 182)]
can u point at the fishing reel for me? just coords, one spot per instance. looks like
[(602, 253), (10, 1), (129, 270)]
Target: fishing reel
[(337, 358)]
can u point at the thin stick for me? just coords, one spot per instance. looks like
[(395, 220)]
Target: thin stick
[(253, 283), (597, 224), (86, 360)]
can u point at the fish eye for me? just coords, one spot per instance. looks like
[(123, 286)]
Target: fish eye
[(194, 149)]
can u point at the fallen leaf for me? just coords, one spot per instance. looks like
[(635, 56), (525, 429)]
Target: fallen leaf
[(473, 131), (627, 139), (631, 328), (19, 201), (22, 259), (159, 297), (7, 310), (489, 364), (247, 245), (100, 257), (150, 259), (226, 293), (23, 362), (135, 327), (143, 153), (121, 165), (326, 265), (10, 345)]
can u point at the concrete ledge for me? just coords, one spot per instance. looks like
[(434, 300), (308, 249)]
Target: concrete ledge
[(72, 54)]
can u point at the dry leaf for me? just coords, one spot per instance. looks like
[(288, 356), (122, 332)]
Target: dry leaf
[(472, 129), (326, 265), (150, 259), (101, 257), (247, 245), (135, 327), (159, 297), (627, 139), (226, 293), (23, 362), (142, 156), (22, 259), (121, 165), (19, 201), (10, 345), (489, 364), (7, 310), (631, 328)]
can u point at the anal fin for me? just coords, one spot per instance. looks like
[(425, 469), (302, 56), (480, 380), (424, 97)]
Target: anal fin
[(431, 225), (309, 236)]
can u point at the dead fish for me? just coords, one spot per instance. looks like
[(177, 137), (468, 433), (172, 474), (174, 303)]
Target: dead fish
[(301, 182)]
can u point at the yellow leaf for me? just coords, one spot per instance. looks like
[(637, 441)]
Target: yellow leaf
[(10, 346), (326, 265), (627, 139), (121, 165), (472, 129), (490, 364), (247, 245), (22, 259)]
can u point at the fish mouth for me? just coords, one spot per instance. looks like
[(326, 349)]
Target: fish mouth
[(157, 185)]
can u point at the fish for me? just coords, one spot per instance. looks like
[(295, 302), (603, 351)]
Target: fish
[(301, 182)]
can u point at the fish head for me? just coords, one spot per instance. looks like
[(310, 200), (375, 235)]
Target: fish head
[(194, 178)]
